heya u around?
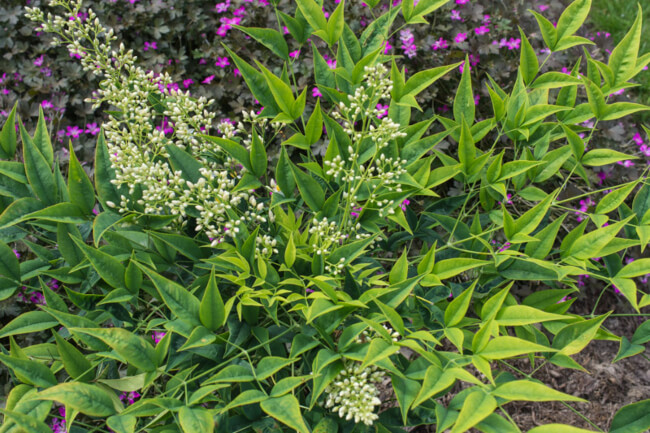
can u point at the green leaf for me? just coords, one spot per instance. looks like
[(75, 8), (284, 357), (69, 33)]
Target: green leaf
[(527, 390), (633, 418), (25, 422), (9, 265), (623, 59), (290, 252), (122, 423), (295, 27), (60, 212), (314, 128), (270, 365), (38, 171), (195, 419), (519, 315), (134, 349), (464, 107), (596, 98), (574, 337), (466, 148), (235, 150), (423, 79), (281, 91), (284, 174), (637, 268), (376, 33), (310, 190), (549, 33), (378, 350), (313, 14), (30, 372), (233, 373), (212, 311), (104, 174), (528, 62), (457, 308), (405, 390), (554, 80), (182, 303), (336, 24), (592, 243), (529, 221), (326, 425), (8, 135), (622, 109), (425, 7), (184, 162), (108, 267), (271, 39), (435, 380), (452, 267), (74, 362), (285, 409), (31, 321), (42, 138), (258, 157), (477, 406), (247, 397), (600, 157), (556, 428), (399, 271), (572, 18), (88, 399), (507, 347), (256, 83)]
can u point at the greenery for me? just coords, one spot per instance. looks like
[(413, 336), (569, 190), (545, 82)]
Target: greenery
[(325, 266)]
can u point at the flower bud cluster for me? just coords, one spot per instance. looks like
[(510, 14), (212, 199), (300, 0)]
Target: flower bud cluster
[(324, 234), (353, 393)]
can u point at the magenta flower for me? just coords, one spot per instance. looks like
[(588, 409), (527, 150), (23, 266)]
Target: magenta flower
[(222, 62), (542, 8), (383, 110), (157, 336), (405, 203), (17, 254), (73, 131), (388, 47), (462, 2), (39, 60), (315, 92), (46, 104), (92, 129), (440, 44), (455, 15), (187, 83), (150, 45), (130, 397), (460, 37), (222, 7), (208, 79), (513, 44), (481, 30), (294, 54), (408, 43), (638, 139)]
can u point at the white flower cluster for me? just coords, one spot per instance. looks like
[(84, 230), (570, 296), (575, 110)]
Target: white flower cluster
[(353, 393), (324, 234)]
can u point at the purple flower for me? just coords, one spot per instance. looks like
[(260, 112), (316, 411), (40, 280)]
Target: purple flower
[(130, 397), (73, 131), (383, 110), (462, 2), (638, 139), (39, 60), (157, 336), (481, 30), (187, 83), (315, 92), (222, 7), (460, 37), (150, 45), (222, 62), (408, 43), (17, 254), (294, 54), (405, 203), (440, 44), (208, 79), (92, 129), (455, 15)]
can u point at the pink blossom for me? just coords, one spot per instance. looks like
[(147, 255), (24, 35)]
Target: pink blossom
[(187, 83), (383, 110), (39, 60), (462, 2), (460, 37), (73, 131), (208, 79), (236, 72), (150, 46), (157, 336), (408, 43), (481, 30), (222, 7), (130, 397), (315, 92), (388, 47), (92, 129), (239, 12), (405, 203), (455, 15), (222, 62), (638, 139), (46, 104), (543, 7), (513, 44), (627, 163), (294, 54), (440, 44)]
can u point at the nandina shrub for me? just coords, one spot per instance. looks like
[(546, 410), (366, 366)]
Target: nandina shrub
[(201, 288)]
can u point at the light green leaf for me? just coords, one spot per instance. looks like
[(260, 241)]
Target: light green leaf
[(81, 189), (637, 268), (133, 348), (477, 406), (528, 62), (572, 18), (457, 308), (519, 315), (527, 390), (612, 200), (507, 347), (623, 59), (25, 422), (378, 350), (122, 423), (182, 303), (313, 14), (405, 390), (270, 365), (88, 399), (74, 362), (435, 381), (464, 100), (285, 409), (633, 418), (30, 372), (195, 419), (8, 135), (31, 321), (599, 157), (108, 267), (271, 39), (558, 428), (554, 80), (452, 267), (574, 337)]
